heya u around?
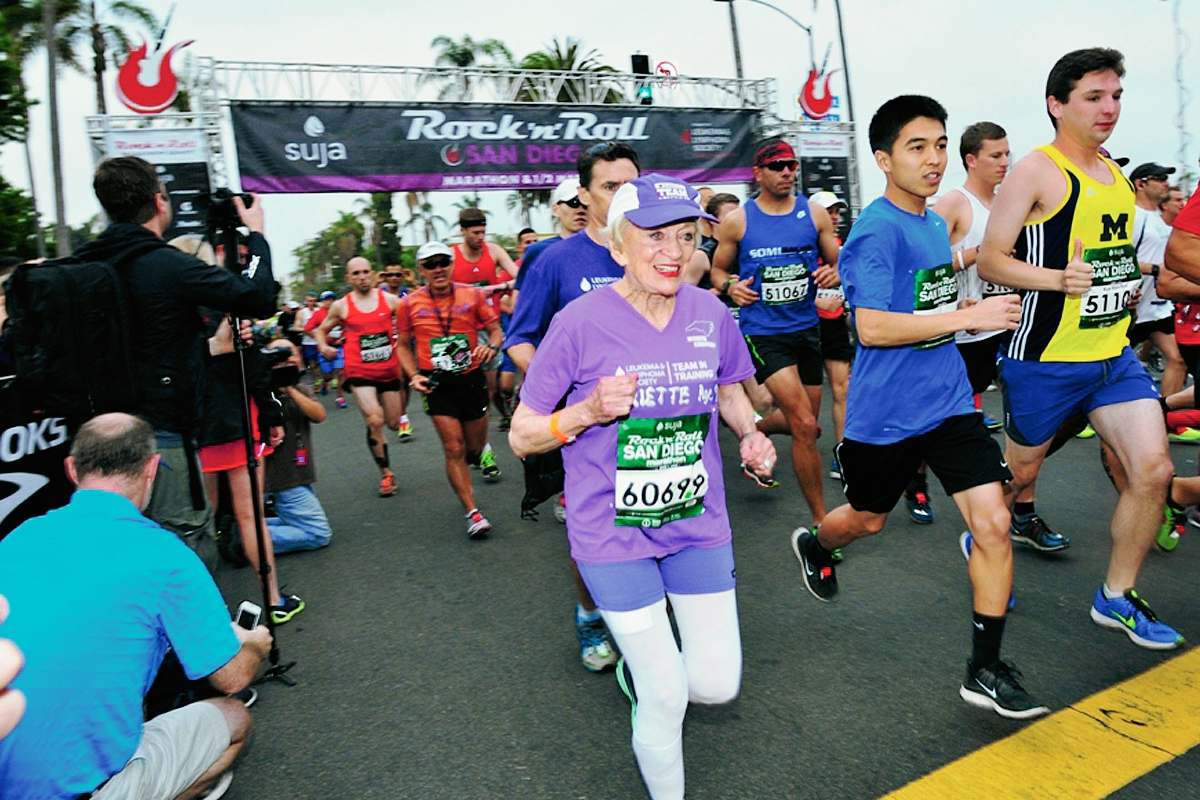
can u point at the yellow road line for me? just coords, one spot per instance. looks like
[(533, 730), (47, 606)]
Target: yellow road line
[(1086, 751)]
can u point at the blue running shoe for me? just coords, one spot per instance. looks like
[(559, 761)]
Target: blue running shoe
[(1037, 534), (595, 648), (965, 540), (991, 423), (1132, 614), (835, 470)]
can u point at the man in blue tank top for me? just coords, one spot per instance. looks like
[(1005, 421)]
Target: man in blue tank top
[(767, 263)]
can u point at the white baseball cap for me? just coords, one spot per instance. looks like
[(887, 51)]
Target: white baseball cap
[(827, 200), (565, 191), (431, 249)]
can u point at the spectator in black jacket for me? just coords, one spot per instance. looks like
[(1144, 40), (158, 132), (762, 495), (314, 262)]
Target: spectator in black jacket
[(167, 287)]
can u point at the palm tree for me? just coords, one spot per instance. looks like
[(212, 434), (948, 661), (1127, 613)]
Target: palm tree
[(523, 201), (385, 242), (467, 53), (89, 26), (420, 213), (567, 57)]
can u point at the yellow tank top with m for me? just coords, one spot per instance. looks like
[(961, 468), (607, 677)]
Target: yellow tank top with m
[(1090, 327)]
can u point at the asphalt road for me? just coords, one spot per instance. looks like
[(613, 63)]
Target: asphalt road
[(431, 666)]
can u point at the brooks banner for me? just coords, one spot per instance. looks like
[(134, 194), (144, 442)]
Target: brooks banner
[(431, 146)]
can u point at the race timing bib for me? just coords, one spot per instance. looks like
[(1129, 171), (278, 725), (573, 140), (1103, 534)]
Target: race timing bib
[(1115, 277), (935, 291), (996, 290), (785, 284), (660, 475), (375, 347), (451, 353)]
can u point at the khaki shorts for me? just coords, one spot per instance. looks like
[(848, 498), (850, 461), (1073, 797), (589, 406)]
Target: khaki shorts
[(176, 749)]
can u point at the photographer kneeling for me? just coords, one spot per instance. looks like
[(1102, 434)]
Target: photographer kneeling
[(300, 522), (166, 287)]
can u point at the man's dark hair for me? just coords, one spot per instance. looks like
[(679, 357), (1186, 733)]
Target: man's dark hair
[(113, 445), (974, 137), (524, 231), (717, 200), (471, 217), (1067, 71), (893, 115), (126, 187), (605, 151)]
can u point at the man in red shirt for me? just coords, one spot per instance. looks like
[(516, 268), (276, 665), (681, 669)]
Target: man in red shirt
[(485, 264), (372, 370), (445, 318)]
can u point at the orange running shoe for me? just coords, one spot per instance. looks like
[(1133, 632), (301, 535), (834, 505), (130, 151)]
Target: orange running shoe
[(387, 486)]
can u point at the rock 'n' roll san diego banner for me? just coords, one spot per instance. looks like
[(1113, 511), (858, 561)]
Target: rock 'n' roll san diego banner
[(291, 147)]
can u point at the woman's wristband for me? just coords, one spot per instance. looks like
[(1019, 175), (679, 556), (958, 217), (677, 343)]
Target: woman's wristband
[(555, 432)]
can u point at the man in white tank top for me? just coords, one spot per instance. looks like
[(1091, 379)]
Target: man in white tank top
[(984, 151)]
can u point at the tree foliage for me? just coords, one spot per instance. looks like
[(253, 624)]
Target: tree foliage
[(18, 223), (323, 258), (384, 230)]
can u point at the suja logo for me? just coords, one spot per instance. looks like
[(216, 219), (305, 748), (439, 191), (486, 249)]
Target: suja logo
[(319, 153)]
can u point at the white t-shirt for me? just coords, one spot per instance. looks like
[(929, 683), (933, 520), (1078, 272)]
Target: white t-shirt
[(302, 318), (1150, 236)]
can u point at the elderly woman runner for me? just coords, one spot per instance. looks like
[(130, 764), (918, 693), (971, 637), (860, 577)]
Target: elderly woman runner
[(645, 365)]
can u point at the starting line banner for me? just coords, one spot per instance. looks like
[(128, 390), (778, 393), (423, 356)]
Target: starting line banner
[(290, 147)]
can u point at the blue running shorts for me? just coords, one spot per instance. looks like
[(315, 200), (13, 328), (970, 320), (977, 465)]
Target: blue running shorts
[(1040, 396)]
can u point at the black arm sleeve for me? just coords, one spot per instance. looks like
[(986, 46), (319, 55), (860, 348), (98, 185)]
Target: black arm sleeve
[(249, 295)]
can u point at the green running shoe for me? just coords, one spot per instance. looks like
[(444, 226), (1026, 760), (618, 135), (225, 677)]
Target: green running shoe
[(1172, 528)]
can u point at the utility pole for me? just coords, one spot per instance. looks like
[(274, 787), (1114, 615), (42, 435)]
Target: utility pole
[(49, 24), (837, 4), (737, 46)]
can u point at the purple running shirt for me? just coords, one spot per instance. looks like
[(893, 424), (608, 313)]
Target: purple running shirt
[(650, 485)]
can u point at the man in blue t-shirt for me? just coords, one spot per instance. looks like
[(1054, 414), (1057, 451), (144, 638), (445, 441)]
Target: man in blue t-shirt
[(572, 216), (568, 270), (910, 400), (94, 633)]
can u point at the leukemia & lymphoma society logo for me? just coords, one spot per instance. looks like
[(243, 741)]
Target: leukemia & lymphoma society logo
[(319, 153), (452, 155), (138, 85)]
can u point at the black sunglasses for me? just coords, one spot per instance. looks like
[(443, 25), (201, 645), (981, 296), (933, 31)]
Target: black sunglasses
[(780, 166), (574, 202), (436, 262), (392, 274)]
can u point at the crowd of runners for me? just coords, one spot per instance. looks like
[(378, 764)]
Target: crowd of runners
[(662, 313)]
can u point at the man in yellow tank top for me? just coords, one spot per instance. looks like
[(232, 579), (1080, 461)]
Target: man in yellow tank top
[(1065, 213)]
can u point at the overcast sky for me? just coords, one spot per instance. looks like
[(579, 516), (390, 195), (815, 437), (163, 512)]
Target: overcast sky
[(982, 60)]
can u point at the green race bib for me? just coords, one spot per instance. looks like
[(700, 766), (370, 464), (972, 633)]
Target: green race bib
[(935, 291), (1115, 277), (785, 284), (451, 353), (660, 475), (375, 347)]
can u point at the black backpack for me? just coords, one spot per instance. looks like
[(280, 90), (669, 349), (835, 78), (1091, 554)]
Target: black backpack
[(72, 335)]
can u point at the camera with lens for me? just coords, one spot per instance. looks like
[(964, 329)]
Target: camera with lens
[(283, 374), (222, 213)]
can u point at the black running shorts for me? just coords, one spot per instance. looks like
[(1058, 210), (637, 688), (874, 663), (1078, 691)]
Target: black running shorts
[(960, 451), (463, 396), (801, 349), (835, 340), (980, 358), (1141, 331)]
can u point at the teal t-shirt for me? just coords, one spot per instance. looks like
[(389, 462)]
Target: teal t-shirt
[(97, 591), (900, 262)]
